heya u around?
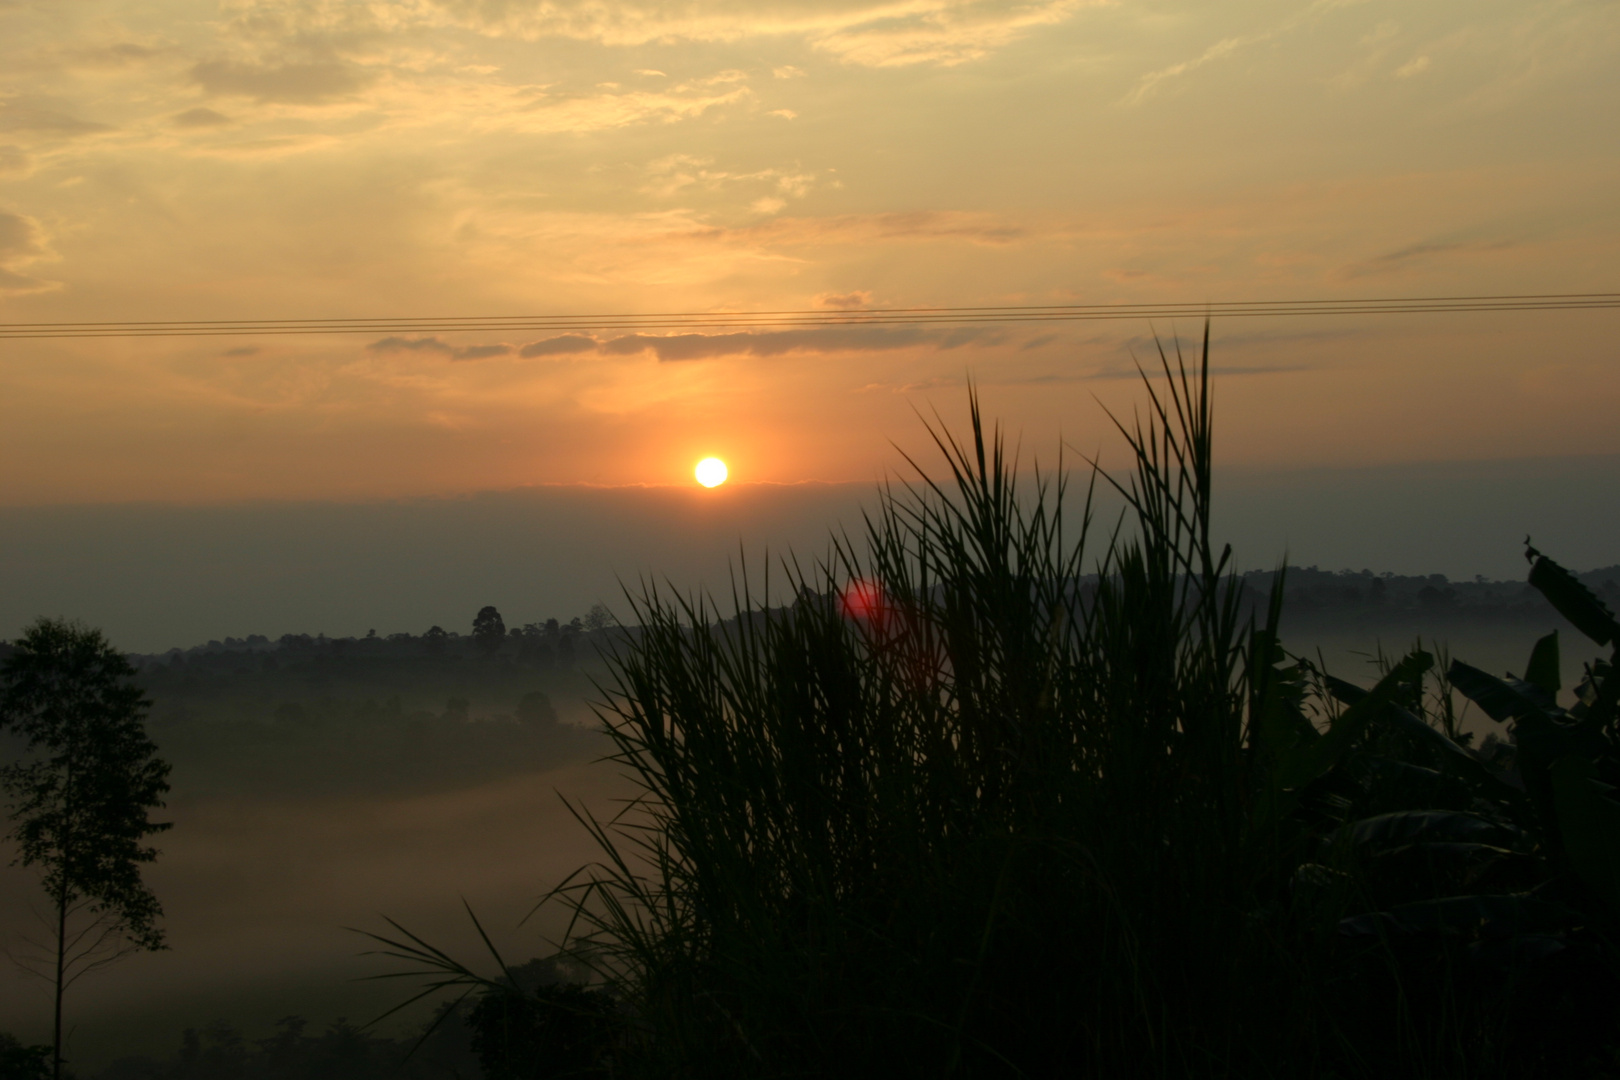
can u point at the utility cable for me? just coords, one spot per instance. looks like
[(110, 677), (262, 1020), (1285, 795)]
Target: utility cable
[(803, 319)]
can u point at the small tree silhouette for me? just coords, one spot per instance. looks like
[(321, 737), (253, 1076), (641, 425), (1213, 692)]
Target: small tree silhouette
[(79, 797), (599, 618), (434, 640), (489, 630)]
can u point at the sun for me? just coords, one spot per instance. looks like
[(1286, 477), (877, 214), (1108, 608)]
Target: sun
[(710, 472)]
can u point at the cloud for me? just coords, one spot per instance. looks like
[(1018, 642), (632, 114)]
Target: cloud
[(943, 34), (112, 57), (1151, 82), (672, 348), (423, 344), (1415, 66), (438, 346), (299, 84), (820, 340), (481, 352), (13, 160), (918, 225), (21, 242), (677, 347), (1422, 252), (200, 117), (675, 174), (545, 110), (1224, 47), (843, 301), (562, 345), (25, 116), (870, 33)]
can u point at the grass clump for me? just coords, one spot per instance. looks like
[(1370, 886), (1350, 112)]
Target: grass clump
[(985, 795), (978, 801)]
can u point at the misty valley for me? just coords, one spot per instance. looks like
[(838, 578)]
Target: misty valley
[(296, 759), (973, 797), (307, 715), (316, 781)]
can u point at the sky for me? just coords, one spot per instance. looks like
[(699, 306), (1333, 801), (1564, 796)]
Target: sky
[(176, 159), (285, 159)]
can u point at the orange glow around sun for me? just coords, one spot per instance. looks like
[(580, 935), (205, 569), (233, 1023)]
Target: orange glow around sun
[(711, 472)]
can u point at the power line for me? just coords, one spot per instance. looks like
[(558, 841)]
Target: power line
[(805, 319)]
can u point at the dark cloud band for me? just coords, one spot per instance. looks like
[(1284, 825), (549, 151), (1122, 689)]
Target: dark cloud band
[(674, 348)]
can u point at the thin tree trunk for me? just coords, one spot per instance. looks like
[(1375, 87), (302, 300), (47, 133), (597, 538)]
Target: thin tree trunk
[(64, 896), (61, 949)]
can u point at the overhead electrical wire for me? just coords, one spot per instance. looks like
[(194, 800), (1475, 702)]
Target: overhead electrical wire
[(743, 320)]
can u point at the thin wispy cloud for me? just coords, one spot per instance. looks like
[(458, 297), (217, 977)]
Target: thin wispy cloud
[(439, 347), (19, 115), (301, 84), (1150, 83), (1426, 252), (687, 347), (886, 33), (22, 242)]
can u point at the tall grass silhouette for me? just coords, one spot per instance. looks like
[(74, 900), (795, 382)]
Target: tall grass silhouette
[(966, 803), (997, 790)]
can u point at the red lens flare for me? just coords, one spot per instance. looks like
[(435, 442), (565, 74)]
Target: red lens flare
[(863, 600)]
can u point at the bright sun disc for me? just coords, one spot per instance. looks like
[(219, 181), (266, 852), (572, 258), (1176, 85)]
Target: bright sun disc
[(710, 472)]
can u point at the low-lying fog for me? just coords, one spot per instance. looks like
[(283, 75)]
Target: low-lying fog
[(297, 817), (272, 855)]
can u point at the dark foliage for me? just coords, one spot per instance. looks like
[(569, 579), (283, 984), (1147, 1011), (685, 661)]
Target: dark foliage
[(341, 1052), (544, 1033), (248, 718), (79, 797), (19, 1062)]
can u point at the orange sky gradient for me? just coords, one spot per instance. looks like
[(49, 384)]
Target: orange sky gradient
[(263, 159)]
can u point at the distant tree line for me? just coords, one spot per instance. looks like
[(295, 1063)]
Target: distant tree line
[(541, 645), (1313, 591), (342, 1051)]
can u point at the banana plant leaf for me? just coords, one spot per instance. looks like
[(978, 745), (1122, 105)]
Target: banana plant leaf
[(1573, 600), (1598, 694), (1589, 819), (1451, 853), (1542, 671), (1282, 727), (1549, 738), (1415, 871), (1405, 721), (1392, 785), (1501, 699), (1301, 764), (1484, 915), (1407, 827), (1517, 953)]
